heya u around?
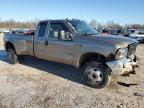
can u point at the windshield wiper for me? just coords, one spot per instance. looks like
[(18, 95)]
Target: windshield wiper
[(86, 34)]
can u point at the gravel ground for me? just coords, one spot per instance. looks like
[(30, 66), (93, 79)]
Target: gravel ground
[(41, 84)]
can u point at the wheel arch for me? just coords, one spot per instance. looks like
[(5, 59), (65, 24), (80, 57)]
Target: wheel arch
[(9, 45), (87, 57)]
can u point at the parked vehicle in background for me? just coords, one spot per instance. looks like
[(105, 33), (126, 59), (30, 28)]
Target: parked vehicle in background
[(139, 35), (125, 33), (130, 33), (18, 31), (5, 30), (132, 30), (29, 32), (105, 32), (75, 43), (1, 33), (115, 32)]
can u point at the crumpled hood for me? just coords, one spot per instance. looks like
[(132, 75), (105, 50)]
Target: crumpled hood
[(110, 40)]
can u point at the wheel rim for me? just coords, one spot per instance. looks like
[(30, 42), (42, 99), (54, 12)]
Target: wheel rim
[(94, 75)]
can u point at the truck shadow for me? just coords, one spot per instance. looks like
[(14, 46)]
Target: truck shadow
[(58, 69)]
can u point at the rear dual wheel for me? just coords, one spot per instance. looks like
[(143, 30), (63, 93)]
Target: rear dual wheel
[(13, 57)]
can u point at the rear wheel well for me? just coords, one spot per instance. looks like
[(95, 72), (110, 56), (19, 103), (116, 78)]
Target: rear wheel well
[(9, 45), (91, 57), (17, 58)]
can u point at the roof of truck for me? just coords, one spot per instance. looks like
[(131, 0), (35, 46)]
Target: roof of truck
[(60, 20)]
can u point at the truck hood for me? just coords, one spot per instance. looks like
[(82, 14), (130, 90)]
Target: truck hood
[(110, 40)]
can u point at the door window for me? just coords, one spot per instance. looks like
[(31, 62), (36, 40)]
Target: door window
[(55, 28), (42, 30)]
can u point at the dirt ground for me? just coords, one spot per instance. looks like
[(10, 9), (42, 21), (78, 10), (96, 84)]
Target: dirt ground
[(41, 84)]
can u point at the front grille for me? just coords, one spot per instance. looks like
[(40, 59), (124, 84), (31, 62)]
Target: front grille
[(132, 49)]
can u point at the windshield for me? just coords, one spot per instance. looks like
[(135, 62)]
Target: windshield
[(82, 28)]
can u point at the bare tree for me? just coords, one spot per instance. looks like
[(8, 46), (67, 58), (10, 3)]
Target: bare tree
[(94, 24), (113, 25), (97, 25), (136, 26), (14, 24), (33, 23)]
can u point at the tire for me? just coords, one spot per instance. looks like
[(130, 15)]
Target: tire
[(13, 57), (96, 75)]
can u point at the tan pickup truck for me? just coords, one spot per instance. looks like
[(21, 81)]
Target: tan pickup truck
[(75, 43)]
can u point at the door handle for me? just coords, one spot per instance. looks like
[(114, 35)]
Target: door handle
[(45, 42)]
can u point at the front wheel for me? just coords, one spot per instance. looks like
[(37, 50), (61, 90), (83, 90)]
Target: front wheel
[(96, 75)]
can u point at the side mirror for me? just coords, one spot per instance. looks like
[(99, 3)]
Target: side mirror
[(67, 36)]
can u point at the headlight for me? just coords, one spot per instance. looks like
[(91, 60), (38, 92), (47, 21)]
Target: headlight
[(121, 53)]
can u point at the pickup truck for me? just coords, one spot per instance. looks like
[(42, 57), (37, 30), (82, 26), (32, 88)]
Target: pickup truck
[(74, 42)]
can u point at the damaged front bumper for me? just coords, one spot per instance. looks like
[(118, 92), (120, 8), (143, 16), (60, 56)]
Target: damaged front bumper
[(123, 66)]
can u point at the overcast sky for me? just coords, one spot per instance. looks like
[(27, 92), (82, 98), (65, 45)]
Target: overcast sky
[(121, 11)]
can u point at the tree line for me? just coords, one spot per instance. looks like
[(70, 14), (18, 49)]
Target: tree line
[(32, 24), (114, 25), (16, 24)]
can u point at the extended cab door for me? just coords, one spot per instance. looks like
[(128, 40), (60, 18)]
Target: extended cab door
[(40, 41)]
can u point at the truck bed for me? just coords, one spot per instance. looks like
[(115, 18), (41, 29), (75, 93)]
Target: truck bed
[(23, 43)]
